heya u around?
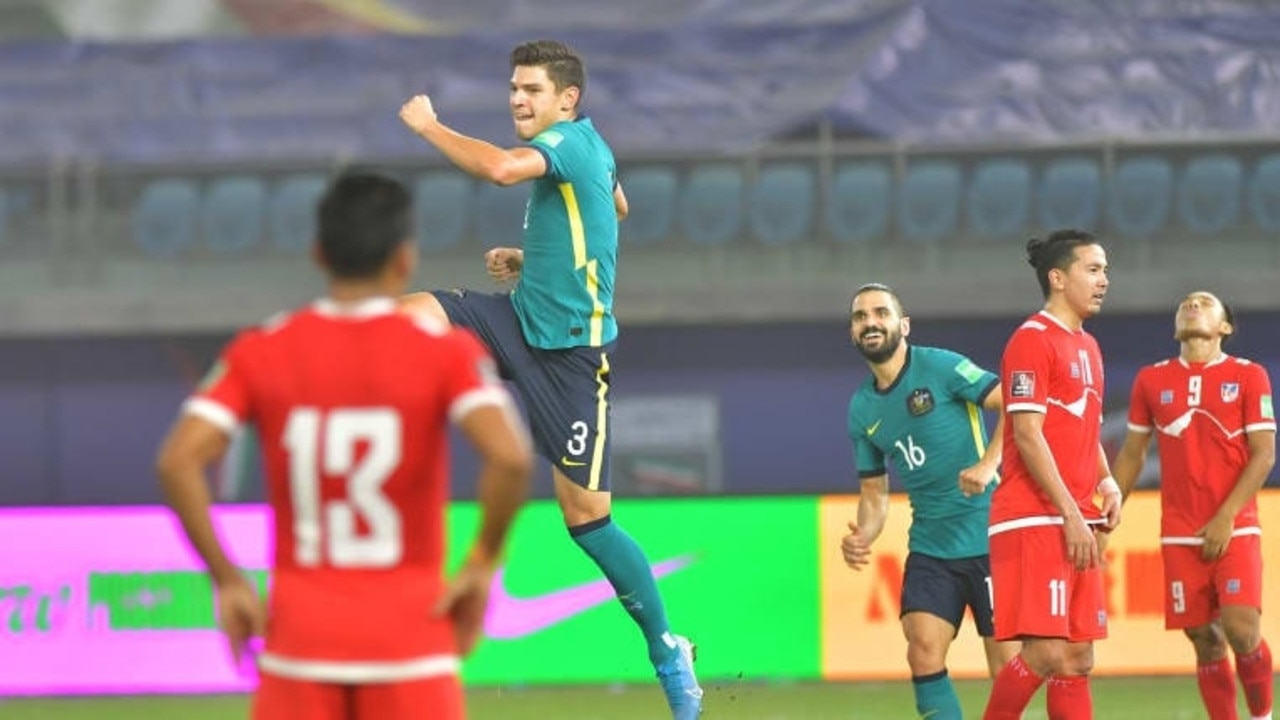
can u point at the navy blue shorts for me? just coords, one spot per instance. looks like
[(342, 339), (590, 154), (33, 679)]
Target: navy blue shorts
[(946, 587), (565, 392)]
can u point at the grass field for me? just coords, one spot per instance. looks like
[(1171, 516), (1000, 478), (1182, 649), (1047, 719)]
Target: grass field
[(1165, 698)]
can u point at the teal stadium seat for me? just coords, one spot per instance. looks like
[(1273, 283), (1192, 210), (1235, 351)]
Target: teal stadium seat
[(1264, 194), (498, 214), (651, 201), (234, 213), (999, 199), (858, 201), (1070, 193), (929, 201), (782, 203), (293, 211), (443, 199), (1209, 193), (712, 212), (164, 217), (1139, 196)]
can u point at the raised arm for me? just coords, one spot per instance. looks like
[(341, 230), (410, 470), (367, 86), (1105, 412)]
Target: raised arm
[(475, 157)]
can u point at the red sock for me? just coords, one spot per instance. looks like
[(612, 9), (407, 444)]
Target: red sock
[(1254, 670), (1069, 698), (1218, 689), (1012, 691)]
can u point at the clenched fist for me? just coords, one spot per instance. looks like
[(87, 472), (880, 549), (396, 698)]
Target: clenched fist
[(418, 113)]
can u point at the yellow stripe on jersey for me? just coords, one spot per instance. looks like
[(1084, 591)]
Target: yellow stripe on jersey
[(975, 425), (579, 238), (602, 422)]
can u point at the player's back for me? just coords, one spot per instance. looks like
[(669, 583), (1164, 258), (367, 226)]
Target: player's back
[(352, 408)]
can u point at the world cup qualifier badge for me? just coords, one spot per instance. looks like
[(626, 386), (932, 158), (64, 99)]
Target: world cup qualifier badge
[(919, 402)]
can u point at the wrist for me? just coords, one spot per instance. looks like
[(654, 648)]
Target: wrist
[(1108, 486)]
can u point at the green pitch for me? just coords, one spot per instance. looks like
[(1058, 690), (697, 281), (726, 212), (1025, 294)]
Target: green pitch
[(1168, 698)]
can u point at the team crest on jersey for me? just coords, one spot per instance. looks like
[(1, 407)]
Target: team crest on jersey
[(919, 402), (1233, 586), (1230, 391), (1166, 397), (1022, 384)]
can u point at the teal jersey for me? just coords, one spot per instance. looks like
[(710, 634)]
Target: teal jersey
[(930, 423), (565, 295)]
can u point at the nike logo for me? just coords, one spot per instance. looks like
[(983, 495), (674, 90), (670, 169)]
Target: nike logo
[(571, 463), (872, 430), (509, 617)]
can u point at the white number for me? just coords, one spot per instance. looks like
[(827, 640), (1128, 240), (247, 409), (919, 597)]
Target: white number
[(1086, 370), (307, 434), (912, 454), (991, 593), (1193, 391), (1057, 598), (1179, 596), (578, 443)]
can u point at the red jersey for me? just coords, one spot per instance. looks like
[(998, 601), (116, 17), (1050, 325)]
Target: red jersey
[(352, 406), (1201, 413), (1051, 369)]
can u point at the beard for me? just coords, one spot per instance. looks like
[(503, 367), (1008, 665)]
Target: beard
[(888, 346)]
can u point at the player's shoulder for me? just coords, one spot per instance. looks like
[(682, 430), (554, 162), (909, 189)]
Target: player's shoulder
[(267, 329), (1248, 367)]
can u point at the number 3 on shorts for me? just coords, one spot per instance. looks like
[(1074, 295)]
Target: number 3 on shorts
[(578, 441)]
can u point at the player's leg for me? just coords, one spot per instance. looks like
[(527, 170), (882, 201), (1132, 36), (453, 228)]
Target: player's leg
[(438, 698), (490, 316), (1068, 693), (567, 395), (981, 598), (424, 304), (279, 698), (1238, 585), (1190, 606), (933, 603)]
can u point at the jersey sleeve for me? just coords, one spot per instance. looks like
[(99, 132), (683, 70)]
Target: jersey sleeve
[(963, 378), (1139, 411), (560, 148), (1258, 412), (224, 396), (472, 379), (1025, 372), (867, 458)]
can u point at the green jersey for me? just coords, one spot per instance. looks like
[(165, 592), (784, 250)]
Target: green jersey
[(565, 295), (930, 423)]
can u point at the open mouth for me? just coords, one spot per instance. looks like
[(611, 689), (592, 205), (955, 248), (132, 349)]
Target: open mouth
[(872, 335)]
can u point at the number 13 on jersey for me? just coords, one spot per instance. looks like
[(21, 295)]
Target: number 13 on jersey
[(324, 443)]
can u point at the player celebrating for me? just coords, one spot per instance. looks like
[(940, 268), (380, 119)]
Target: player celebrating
[(1045, 569), (353, 399), (554, 332), (1217, 442), (920, 407)]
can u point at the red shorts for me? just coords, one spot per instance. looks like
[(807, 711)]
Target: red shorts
[(1195, 589), (1038, 593), (278, 698)]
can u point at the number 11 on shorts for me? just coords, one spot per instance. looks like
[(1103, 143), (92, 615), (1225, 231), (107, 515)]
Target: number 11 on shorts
[(1057, 598)]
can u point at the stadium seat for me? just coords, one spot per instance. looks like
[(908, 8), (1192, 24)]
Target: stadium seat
[(712, 213), (1209, 193), (443, 199), (929, 201), (1140, 195), (293, 211), (1264, 194), (164, 218), (782, 203), (857, 204), (498, 214), (999, 199), (651, 199), (1069, 194), (234, 213)]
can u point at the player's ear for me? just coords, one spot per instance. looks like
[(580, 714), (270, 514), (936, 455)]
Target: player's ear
[(1057, 279), (317, 255), (406, 259), (569, 98), (906, 326)]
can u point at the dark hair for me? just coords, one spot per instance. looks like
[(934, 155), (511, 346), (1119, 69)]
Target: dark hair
[(880, 287), (1055, 252), (361, 220), (564, 67)]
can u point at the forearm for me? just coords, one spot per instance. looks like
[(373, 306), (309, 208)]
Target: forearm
[(1251, 480), (1039, 462), (475, 157), (873, 510), (994, 453), (188, 495), (502, 490), (1128, 468)]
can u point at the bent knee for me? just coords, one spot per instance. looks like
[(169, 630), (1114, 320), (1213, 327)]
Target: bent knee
[(424, 305)]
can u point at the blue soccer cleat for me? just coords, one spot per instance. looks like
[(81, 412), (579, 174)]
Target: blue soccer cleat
[(684, 695)]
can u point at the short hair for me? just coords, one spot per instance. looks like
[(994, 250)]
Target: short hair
[(1055, 252), (361, 221), (880, 287), (564, 66)]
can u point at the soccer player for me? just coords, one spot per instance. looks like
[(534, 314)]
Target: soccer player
[(353, 399), (1045, 568), (920, 407), (553, 334), (1216, 430)]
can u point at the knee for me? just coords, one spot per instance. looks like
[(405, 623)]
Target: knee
[(926, 657), (1077, 659), (1209, 641), (1243, 631), (1045, 657), (424, 305)]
